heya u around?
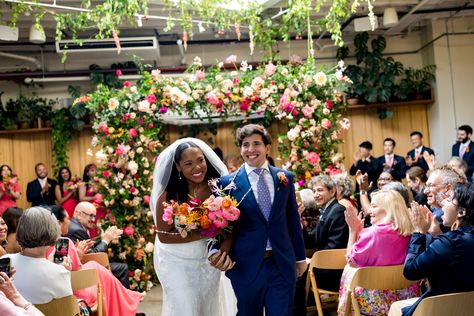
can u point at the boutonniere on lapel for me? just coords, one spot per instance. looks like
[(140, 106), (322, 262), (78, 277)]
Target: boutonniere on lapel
[(282, 178), (468, 149)]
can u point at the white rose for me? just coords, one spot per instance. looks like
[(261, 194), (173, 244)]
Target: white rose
[(113, 104), (144, 106), (149, 247)]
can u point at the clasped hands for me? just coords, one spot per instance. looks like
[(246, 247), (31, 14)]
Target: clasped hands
[(221, 260)]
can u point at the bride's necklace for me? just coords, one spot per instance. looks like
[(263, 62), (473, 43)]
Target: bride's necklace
[(196, 190)]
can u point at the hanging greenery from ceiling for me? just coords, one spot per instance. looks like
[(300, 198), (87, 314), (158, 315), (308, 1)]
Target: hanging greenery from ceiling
[(108, 16)]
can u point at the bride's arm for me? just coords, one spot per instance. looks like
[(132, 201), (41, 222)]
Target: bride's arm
[(167, 233)]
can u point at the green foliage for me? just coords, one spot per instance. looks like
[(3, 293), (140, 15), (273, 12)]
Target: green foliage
[(61, 136), (416, 82)]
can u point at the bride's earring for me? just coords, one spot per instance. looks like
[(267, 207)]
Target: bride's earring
[(179, 175)]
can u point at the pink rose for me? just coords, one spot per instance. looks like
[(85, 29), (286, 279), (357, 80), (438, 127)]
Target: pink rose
[(127, 84), (313, 158), (270, 69), (150, 125), (129, 231), (231, 59), (133, 190), (120, 150), (307, 111), (329, 104), (200, 75), (103, 127), (118, 72), (326, 124), (146, 199), (133, 132), (151, 98), (106, 174)]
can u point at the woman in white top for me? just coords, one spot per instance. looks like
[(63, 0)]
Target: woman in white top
[(38, 279)]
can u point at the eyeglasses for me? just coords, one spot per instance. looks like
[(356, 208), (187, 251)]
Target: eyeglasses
[(91, 216), (433, 185)]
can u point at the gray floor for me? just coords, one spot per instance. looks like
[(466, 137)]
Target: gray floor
[(151, 304)]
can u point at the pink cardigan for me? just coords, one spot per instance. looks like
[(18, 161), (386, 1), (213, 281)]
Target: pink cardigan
[(379, 245)]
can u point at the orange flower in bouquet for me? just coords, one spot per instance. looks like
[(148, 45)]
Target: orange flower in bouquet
[(209, 217), (10, 179), (74, 183)]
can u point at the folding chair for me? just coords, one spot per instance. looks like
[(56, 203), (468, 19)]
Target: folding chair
[(66, 306), (83, 279)]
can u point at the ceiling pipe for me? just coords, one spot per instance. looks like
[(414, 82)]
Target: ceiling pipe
[(33, 60)]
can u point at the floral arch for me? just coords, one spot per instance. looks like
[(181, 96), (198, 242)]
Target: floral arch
[(129, 132)]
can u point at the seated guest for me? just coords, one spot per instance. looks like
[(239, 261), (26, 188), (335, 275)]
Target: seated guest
[(391, 161), (384, 243), (41, 190), (38, 279), (331, 230), (3, 236), (11, 302), (83, 219), (344, 189), (117, 299), (459, 165), (10, 190), (11, 218), (65, 194), (446, 260), (384, 178), (416, 180), (232, 162)]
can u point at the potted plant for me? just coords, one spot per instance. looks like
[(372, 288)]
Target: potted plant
[(416, 83), (42, 109), (25, 111)]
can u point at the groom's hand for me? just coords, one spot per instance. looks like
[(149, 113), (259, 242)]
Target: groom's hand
[(221, 261)]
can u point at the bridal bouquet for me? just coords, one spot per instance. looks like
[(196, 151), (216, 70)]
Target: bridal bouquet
[(74, 183), (208, 217)]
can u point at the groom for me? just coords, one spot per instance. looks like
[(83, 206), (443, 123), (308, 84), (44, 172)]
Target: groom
[(267, 250)]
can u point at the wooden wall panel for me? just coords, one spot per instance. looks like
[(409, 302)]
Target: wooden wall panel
[(23, 150)]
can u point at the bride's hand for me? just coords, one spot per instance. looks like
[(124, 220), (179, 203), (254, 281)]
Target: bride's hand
[(221, 260)]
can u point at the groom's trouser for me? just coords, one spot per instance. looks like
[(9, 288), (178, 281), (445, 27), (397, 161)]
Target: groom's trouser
[(269, 290)]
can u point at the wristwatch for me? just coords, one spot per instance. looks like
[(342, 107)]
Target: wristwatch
[(363, 192)]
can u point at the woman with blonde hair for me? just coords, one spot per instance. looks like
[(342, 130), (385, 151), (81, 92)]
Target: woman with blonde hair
[(384, 243)]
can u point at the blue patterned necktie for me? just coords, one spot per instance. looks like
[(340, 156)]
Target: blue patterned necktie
[(264, 198)]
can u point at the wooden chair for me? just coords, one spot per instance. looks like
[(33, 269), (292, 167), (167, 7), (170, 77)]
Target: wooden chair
[(66, 306), (99, 257), (447, 304), (333, 259), (375, 278), (83, 279)]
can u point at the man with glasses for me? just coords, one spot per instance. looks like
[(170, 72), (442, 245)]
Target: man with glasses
[(439, 186), (84, 218)]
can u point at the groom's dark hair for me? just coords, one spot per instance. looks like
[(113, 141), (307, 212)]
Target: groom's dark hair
[(250, 129)]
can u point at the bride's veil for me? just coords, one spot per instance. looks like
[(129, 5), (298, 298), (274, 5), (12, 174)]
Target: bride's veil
[(164, 165)]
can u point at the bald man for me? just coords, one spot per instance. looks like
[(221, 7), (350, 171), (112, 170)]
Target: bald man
[(84, 217)]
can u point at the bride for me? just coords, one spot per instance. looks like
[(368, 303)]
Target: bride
[(191, 286)]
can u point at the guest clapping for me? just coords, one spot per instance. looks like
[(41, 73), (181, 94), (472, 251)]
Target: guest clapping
[(10, 190), (41, 190), (66, 191)]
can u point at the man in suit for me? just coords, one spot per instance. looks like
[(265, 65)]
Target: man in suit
[(415, 157), (331, 231), (267, 241), (41, 190), (366, 163), (390, 161), (84, 216), (464, 149)]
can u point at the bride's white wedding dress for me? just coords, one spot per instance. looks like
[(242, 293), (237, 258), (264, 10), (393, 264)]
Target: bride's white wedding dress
[(191, 286)]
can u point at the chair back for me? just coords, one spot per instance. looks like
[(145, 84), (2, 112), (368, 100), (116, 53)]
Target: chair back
[(99, 257), (447, 304), (83, 279), (65, 306), (333, 259), (375, 278)]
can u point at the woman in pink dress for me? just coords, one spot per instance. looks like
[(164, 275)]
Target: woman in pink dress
[(89, 193), (66, 191), (10, 190), (384, 243), (117, 299)]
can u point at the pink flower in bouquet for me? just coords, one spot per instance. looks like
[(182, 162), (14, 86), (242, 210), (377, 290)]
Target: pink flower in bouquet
[(325, 123), (155, 73), (106, 174), (168, 215), (244, 106), (120, 150), (127, 84), (231, 59), (313, 158), (231, 214), (98, 199), (200, 75), (218, 219), (112, 220), (146, 199), (301, 182), (163, 109), (151, 98), (270, 69), (118, 72), (307, 111), (129, 230), (329, 104), (133, 132), (333, 171)]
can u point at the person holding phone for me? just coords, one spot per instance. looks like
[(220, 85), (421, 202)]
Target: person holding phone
[(12, 303)]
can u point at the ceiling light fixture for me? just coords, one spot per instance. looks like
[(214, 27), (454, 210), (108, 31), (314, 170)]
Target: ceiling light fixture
[(390, 17)]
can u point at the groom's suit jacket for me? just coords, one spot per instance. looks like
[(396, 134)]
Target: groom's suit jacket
[(252, 230)]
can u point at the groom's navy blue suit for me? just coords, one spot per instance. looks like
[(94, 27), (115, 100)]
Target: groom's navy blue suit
[(252, 270)]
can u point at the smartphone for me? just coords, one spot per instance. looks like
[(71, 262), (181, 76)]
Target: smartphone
[(62, 249), (5, 266)]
